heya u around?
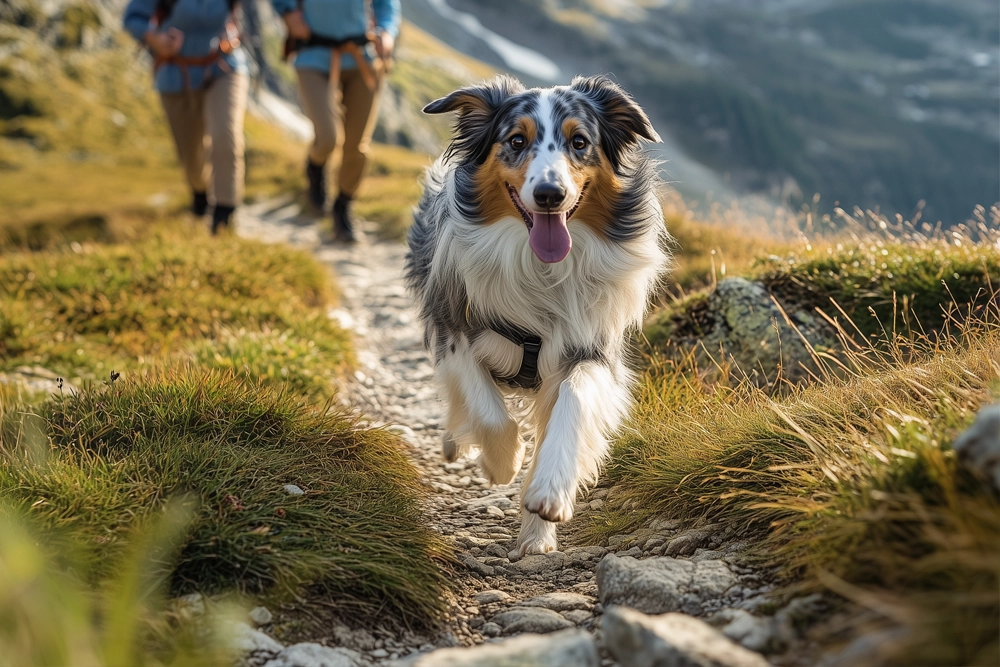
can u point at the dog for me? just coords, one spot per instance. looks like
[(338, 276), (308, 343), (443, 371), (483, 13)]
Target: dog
[(534, 251)]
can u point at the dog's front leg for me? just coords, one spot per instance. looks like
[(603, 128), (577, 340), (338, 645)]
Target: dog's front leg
[(590, 405), (478, 416)]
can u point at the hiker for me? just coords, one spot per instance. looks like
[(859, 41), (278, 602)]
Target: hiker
[(200, 72), (341, 49)]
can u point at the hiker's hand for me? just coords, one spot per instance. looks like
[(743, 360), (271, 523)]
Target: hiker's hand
[(384, 44), (165, 44), (296, 25)]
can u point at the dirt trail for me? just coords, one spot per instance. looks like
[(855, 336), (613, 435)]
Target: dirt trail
[(394, 385)]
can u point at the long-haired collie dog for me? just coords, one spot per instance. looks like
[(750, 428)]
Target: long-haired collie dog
[(533, 252)]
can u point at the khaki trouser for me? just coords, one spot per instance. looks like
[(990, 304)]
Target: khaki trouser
[(358, 109), (207, 125)]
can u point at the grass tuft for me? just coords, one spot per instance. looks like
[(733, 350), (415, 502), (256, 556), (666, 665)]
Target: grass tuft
[(95, 463)]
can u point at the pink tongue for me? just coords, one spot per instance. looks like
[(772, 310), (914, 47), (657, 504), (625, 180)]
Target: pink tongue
[(549, 237)]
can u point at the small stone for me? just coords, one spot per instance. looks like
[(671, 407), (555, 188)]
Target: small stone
[(658, 585), (671, 640), (559, 601), (192, 604), (569, 648), (686, 543), (488, 597), (477, 567), (496, 500), (539, 563), (753, 632), (530, 619), (309, 654), (293, 490), (577, 616), (494, 511), (379, 653), (491, 630), (596, 504), (246, 640), (261, 615)]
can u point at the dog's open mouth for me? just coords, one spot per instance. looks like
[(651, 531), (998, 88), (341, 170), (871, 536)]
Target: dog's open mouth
[(548, 234)]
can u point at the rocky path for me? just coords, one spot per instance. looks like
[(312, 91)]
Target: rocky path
[(498, 595)]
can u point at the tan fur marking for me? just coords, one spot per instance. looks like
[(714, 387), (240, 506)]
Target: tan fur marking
[(569, 127), (491, 194), (602, 193)]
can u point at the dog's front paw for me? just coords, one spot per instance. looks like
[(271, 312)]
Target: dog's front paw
[(449, 448), (537, 536), (548, 504)]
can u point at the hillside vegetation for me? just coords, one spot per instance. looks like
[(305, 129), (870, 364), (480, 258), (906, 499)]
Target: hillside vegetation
[(145, 365), (845, 483)]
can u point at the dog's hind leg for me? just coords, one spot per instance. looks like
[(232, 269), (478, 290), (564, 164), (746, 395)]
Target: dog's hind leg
[(589, 405), (477, 415)]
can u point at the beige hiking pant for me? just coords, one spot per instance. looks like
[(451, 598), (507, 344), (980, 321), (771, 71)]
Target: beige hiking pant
[(207, 125), (355, 107)]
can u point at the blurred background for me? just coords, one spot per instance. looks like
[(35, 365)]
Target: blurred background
[(882, 104)]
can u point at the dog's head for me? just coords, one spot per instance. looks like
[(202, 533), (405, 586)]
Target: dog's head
[(546, 155)]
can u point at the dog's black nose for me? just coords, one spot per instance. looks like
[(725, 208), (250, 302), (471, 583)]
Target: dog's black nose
[(549, 195)]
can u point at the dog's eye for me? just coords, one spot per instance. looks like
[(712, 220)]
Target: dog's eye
[(579, 142), (517, 142)]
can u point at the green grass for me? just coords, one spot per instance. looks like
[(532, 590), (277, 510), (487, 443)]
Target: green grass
[(849, 483), (50, 616), (98, 463), (176, 295), (890, 281)]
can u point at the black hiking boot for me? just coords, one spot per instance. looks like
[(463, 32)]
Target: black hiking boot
[(221, 217), (344, 230), (316, 173), (199, 204)]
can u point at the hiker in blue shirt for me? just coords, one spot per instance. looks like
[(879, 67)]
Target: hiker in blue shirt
[(201, 75), (340, 46)]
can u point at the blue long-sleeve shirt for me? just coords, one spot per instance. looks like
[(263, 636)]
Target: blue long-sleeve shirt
[(339, 19), (203, 22)]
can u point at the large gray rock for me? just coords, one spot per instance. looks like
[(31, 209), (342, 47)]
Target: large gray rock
[(671, 640), (979, 446), (569, 648), (658, 585), (530, 619), (740, 324), (315, 655)]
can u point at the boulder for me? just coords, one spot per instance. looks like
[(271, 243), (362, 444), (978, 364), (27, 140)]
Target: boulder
[(979, 446), (658, 585), (671, 640), (739, 323), (569, 648)]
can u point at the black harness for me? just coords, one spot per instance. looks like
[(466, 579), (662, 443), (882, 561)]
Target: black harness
[(531, 344)]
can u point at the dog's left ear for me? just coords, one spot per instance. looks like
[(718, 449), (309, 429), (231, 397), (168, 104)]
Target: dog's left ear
[(479, 111), (623, 122)]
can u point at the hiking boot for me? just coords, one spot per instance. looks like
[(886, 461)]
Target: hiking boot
[(316, 173), (221, 217), (199, 204), (344, 230)]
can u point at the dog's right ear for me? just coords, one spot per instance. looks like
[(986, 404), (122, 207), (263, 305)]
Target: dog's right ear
[(484, 98), (479, 115)]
